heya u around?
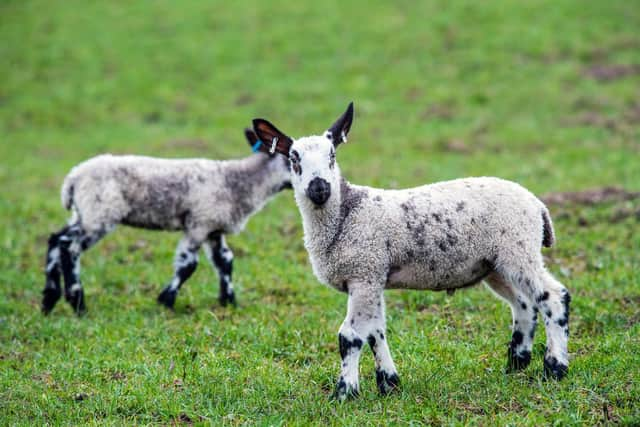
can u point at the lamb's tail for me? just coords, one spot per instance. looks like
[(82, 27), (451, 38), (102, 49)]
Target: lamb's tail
[(66, 192), (548, 235)]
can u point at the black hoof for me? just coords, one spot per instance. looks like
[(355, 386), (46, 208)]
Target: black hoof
[(345, 392), (387, 383), (554, 369), (76, 301), (517, 361), (50, 297), (227, 299), (167, 298)]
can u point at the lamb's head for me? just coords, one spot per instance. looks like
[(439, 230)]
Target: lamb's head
[(277, 167), (314, 171)]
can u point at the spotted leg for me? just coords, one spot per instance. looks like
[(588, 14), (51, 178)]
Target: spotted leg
[(185, 263), (364, 321), (554, 304), (221, 257), (72, 243), (525, 316), (52, 290), (386, 373)]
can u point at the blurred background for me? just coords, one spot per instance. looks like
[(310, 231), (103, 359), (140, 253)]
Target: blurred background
[(546, 93), (542, 92)]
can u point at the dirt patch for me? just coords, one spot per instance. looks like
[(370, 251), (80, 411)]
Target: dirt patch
[(444, 111), (591, 118), (181, 106), (608, 413), (244, 99), (590, 197), (585, 103), (79, 397), (630, 301), (413, 94), (184, 419), (278, 295), (632, 114), (596, 112), (470, 407), (454, 145), (604, 52), (44, 377), (611, 72), (118, 376), (433, 309), (152, 117), (624, 212), (138, 245)]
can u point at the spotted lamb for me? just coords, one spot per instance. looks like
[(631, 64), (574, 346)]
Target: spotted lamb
[(442, 236), (205, 199)]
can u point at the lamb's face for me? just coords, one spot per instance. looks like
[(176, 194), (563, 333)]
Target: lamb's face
[(314, 172)]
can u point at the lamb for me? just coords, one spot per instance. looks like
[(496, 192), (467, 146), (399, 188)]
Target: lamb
[(205, 199), (442, 236)]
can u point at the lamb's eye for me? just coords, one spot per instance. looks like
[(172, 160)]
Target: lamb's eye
[(294, 158)]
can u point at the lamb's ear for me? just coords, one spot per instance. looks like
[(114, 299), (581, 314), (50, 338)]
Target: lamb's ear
[(340, 129), (272, 140), (252, 138)]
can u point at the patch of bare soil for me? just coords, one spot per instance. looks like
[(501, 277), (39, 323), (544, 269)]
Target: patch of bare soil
[(594, 112), (590, 197), (413, 94), (454, 146), (443, 111), (183, 418), (244, 99), (118, 376), (591, 118), (622, 213), (611, 72), (604, 52), (632, 114), (608, 413)]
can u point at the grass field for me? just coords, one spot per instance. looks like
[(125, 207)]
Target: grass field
[(546, 93)]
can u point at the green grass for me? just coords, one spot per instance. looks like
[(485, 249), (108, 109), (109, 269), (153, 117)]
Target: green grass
[(442, 90)]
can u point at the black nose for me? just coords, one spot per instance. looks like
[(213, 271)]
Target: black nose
[(319, 191)]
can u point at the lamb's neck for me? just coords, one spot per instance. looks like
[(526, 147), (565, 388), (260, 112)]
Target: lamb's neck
[(254, 182), (322, 225)]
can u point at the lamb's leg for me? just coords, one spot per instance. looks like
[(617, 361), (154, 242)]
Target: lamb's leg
[(71, 245), (525, 315), (386, 373), (365, 315), (221, 257), (52, 290), (185, 263), (554, 305)]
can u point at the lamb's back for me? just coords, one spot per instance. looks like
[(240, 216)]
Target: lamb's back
[(454, 227), (145, 191)]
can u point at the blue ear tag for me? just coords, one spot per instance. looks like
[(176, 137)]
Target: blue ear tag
[(256, 146)]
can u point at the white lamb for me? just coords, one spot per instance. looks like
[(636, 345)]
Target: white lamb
[(443, 236), (205, 199)]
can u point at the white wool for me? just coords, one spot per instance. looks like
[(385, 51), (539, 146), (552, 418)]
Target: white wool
[(198, 196), (442, 236)]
